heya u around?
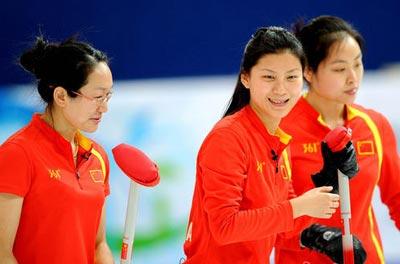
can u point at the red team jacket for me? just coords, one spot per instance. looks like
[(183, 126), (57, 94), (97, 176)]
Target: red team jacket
[(240, 200), (377, 156), (62, 202)]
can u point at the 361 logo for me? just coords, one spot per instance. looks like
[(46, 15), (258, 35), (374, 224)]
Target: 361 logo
[(310, 147)]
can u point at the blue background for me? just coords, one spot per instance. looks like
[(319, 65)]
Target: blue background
[(148, 39)]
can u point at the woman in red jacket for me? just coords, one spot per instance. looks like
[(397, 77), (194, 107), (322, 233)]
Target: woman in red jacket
[(333, 73), (242, 197), (54, 180)]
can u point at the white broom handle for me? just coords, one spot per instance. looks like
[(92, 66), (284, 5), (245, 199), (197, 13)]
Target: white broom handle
[(130, 222), (345, 210)]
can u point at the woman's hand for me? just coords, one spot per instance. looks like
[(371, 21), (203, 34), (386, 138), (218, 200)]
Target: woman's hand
[(317, 202)]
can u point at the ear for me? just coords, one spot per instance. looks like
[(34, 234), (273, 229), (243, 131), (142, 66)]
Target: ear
[(60, 96), (308, 74), (245, 79)]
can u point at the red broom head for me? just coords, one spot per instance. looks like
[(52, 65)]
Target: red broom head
[(338, 138), (136, 165)]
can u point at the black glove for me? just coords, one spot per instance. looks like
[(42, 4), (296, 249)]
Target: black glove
[(328, 241), (344, 160)]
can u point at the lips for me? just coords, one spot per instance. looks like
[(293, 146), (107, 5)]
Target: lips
[(96, 119), (351, 91), (278, 102)]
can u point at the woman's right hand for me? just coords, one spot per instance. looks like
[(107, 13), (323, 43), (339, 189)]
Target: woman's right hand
[(317, 202)]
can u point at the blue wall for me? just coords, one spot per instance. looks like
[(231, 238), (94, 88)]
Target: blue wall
[(148, 39)]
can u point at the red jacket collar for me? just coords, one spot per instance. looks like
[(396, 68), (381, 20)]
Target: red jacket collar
[(277, 142), (63, 145)]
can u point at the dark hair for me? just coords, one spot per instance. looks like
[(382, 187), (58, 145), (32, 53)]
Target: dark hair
[(318, 36), (65, 64), (266, 40)]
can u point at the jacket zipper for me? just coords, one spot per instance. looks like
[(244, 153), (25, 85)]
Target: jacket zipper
[(275, 158), (77, 175)]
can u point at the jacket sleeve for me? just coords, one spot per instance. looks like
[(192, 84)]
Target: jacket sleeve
[(15, 168), (389, 181), (223, 161)]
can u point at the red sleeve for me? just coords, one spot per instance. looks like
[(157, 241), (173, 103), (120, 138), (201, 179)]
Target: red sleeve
[(389, 182), (223, 163), (291, 240), (15, 170)]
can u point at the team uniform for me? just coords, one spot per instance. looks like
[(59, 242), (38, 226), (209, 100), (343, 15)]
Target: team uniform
[(378, 159), (62, 203), (240, 200)]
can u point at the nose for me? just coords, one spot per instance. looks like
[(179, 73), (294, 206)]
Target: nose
[(103, 107), (279, 87), (353, 78)]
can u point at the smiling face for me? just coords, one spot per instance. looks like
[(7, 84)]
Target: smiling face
[(339, 75), (275, 84), (84, 112)]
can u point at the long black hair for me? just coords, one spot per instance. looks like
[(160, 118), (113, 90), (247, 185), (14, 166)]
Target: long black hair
[(266, 40)]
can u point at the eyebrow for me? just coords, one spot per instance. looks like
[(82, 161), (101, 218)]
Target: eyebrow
[(295, 69), (289, 71), (104, 88), (343, 61)]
